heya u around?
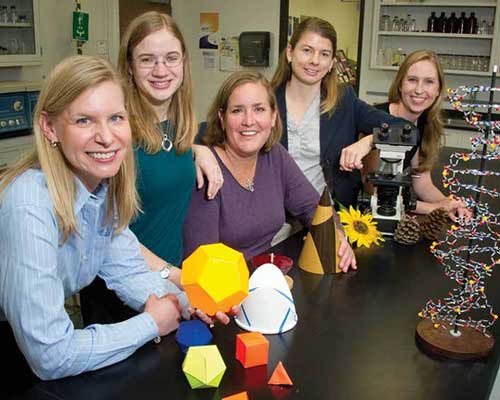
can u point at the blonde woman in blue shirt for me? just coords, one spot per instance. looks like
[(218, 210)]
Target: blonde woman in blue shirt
[(64, 218)]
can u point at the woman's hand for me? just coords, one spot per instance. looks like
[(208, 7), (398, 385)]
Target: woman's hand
[(455, 207), (165, 311), (346, 254), (221, 317), (206, 165), (352, 156)]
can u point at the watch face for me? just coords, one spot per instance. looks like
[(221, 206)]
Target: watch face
[(165, 272)]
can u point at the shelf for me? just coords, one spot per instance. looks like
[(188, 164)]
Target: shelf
[(446, 71), (16, 25), (435, 35), (438, 4)]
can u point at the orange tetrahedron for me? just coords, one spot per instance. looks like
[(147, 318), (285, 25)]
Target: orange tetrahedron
[(280, 376), (320, 252), (252, 349), (215, 278), (237, 396)]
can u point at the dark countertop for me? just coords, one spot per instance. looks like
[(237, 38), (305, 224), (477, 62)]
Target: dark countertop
[(355, 339)]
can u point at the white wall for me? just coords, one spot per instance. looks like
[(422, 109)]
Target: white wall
[(235, 16), (55, 36), (344, 16)]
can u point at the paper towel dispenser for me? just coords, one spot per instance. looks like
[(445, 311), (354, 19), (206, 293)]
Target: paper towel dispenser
[(254, 49)]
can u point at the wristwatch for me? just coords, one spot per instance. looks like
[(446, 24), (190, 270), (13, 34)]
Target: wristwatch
[(165, 271)]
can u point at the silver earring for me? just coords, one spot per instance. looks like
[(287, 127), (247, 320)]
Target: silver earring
[(53, 143)]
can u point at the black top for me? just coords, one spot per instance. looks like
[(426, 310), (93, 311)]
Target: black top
[(422, 120)]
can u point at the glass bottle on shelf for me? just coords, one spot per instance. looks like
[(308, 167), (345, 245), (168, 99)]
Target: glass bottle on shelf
[(385, 23), (483, 28), (397, 56), (432, 22), (406, 23), (463, 24), (4, 15), (413, 25), (13, 15), (472, 24), (442, 23), (452, 25), (396, 24)]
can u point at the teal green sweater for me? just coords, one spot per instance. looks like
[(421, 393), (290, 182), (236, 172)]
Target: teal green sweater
[(164, 182)]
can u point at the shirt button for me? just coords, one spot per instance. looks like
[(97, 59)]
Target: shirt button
[(84, 258)]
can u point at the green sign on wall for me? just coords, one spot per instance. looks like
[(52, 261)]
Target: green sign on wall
[(81, 26)]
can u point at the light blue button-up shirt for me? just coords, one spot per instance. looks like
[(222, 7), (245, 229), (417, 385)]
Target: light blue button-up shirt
[(37, 273)]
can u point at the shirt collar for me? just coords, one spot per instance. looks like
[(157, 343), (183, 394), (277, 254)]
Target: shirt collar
[(83, 195)]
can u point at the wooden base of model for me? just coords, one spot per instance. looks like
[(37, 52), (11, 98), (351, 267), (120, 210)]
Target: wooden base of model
[(467, 344)]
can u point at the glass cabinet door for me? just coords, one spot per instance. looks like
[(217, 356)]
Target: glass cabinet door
[(19, 33)]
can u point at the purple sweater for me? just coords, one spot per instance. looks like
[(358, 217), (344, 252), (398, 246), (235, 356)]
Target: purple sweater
[(247, 221)]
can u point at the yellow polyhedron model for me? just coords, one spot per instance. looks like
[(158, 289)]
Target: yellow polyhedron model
[(215, 278)]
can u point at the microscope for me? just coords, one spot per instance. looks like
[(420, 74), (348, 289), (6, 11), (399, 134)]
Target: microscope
[(393, 193)]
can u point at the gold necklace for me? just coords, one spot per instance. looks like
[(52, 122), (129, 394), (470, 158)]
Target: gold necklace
[(243, 179)]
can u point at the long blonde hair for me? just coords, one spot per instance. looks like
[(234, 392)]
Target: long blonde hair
[(69, 79), (330, 88), (433, 135), (143, 119), (215, 135)]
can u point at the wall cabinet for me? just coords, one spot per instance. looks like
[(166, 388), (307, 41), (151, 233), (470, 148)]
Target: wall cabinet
[(462, 54), (19, 33)]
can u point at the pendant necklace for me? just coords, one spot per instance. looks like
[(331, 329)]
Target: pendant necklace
[(166, 143), (244, 181)]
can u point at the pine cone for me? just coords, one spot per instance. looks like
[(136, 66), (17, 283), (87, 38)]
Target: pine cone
[(408, 230), (434, 224)]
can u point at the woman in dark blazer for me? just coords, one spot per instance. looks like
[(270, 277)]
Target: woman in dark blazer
[(321, 118)]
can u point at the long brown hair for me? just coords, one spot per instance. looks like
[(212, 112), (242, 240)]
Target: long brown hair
[(69, 79), (143, 119), (433, 135), (330, 88), (215, 135)]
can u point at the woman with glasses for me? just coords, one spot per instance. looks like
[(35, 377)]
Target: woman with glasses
[(321, 118), (155, 63)]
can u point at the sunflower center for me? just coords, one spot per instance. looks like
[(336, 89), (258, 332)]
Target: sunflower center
[(360, 227)]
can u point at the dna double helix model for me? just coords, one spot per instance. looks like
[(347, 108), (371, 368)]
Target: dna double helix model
[(470, 251)]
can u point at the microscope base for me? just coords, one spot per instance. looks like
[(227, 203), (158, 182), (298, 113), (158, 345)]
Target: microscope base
[(386, 226)]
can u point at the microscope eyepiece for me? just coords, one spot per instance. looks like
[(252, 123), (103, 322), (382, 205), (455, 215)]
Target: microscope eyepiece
[(406, 133), (383, 134)]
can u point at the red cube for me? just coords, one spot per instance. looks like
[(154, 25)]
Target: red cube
[(252, 349)]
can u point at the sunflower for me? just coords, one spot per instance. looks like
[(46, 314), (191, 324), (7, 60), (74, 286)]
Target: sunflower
[(360, 228)]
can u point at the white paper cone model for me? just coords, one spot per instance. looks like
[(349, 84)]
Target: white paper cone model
[(269, 307)]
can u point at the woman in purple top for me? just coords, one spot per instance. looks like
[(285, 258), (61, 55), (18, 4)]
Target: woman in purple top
[(261, 180)]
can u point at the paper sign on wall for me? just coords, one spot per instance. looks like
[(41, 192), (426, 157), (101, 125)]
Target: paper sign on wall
[(209, 26)]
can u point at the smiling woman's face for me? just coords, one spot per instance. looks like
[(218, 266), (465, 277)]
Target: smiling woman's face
[(311, 58), (93, 133), (419, 87), (248, 120)]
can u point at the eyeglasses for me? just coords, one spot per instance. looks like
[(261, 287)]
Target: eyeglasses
[(171, 60)]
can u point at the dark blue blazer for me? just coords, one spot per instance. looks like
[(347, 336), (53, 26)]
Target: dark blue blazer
[(351, 117)]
